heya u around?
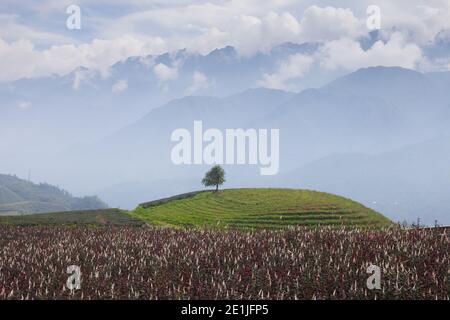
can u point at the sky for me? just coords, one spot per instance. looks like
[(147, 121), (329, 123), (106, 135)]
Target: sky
[(35, 40)]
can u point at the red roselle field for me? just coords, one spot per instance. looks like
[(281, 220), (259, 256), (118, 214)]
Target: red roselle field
[(146, 263)]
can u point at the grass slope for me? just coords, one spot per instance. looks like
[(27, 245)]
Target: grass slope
[(258, 208), (18, 196), (100, 217)]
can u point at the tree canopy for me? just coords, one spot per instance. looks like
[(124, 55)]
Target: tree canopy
[(214, 177)]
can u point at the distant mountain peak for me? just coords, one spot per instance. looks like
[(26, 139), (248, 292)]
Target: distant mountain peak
[(385, 69), (225, 52), (291, 47), (260, 90), (375, 78)]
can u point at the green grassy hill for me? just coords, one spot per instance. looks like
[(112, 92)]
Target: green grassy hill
[(18, 197), (101, 217), (258, 208)]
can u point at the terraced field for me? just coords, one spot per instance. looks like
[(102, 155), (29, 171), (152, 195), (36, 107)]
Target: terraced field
[(100, 217), (259, 208)]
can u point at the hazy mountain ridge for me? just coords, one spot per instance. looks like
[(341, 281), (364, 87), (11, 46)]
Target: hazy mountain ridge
[(19, 196), (407, 183), (314, 124), (370, 111), (71, 107)]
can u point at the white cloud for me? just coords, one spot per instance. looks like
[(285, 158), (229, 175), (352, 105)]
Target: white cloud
[(147, 61), (24, 105), (11, 30), (20, 59), (82, 75), (417, 22), (204, 27), (329, 23), (347, 54), (152, 27), (295, 67), (199, 82), (119, 86), (250, 34), (165, 73)]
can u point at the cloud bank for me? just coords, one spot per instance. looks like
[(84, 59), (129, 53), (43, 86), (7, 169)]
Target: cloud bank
[(34, 41)]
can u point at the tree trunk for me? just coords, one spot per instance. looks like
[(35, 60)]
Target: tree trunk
[(217, 187)]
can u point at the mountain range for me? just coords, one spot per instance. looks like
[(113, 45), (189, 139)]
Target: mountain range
[(73, 105), (367, 120), (18, 196), (378, 135)]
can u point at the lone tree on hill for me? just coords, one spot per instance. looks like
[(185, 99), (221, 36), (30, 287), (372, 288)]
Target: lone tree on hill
[(214, 177)]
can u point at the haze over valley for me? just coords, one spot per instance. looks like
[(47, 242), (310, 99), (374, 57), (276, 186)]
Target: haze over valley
[(361, 113)]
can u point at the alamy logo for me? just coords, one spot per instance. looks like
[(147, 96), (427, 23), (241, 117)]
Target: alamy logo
[(374, 281), (73, 22), (74, 280), (237, 146), (373, 22)]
